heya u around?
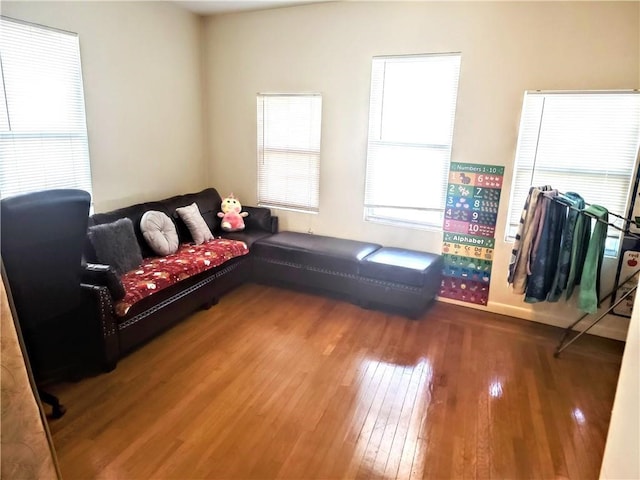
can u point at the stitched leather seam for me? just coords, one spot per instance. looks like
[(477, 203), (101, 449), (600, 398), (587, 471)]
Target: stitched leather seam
[(307, 267), (384, 283)]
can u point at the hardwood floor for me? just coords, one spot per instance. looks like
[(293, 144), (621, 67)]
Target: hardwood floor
[(272, 383)]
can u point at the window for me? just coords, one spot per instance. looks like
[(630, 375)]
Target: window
[(411, 116), (583, 142), (43, 133), (289, 151)]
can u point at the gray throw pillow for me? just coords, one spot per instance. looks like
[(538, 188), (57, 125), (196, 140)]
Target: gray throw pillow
[(159, 232), (116, 245), (198, 228)]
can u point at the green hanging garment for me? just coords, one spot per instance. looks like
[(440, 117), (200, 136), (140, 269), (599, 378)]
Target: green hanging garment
[(581, 233), (588, 300)]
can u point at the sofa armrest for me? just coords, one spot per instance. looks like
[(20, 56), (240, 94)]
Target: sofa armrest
[(98, 306), (259, 218), (103, 275)]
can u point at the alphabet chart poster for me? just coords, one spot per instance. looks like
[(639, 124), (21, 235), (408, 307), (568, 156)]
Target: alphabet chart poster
[(471, 213)]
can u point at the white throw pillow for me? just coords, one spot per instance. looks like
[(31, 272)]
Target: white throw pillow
[(198, 228), (159, 232)]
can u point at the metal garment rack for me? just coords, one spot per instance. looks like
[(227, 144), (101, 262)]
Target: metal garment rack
[(565, 341)]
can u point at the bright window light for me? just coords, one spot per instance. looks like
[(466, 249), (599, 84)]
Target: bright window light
[(289, 151), (43, 132), (583, 142), (411, 118)]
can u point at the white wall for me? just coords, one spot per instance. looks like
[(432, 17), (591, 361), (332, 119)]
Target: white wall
[(141, 65), (621, 459), (507, 48), (147, 125)]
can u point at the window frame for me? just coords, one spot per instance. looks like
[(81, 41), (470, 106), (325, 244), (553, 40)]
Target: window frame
[(314, 154), (65, 135), (614, 241), (424, 217)]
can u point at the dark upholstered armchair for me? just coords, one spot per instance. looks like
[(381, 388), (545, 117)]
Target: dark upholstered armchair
[(42, 239)]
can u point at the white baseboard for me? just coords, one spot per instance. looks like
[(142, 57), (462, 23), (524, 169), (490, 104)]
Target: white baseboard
[(612, 326)]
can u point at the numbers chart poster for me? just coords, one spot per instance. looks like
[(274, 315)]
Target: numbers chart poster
[(471, 213)]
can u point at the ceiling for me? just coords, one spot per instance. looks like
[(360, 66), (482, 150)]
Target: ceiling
[(204, 7)]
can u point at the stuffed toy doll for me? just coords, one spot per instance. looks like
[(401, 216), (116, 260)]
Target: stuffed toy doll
[(231, 215)]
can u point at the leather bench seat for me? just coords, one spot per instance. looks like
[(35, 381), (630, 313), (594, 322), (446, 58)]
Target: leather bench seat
[(401, 266), (366, 273), (301, 259), (400, 278)]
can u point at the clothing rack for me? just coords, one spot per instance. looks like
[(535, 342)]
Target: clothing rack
[(565, 341), (626, 231)]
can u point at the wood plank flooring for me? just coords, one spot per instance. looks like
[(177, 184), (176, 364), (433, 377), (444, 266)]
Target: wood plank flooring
[(272, 383)]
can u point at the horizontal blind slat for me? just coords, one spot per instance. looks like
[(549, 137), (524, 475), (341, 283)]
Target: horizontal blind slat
[(581, 142), (43, 133), (411, 119), (289, 129)]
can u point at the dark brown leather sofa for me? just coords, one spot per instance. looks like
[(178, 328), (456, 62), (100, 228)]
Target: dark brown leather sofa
[(365, 273), (157, 312)]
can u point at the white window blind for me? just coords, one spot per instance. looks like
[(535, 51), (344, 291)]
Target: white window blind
[(411, 118), (583, 142), (43, 133), (289, 151)]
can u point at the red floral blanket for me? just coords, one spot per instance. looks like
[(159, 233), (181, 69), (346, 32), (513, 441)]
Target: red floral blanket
[(161, 272)]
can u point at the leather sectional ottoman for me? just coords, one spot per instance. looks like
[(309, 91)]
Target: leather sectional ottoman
[(365, 273), (313, 261), (404, 279)]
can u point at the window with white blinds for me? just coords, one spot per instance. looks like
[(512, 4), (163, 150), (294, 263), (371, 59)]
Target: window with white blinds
[(289, 151), (583, 142), (411, 118), (43, 133)]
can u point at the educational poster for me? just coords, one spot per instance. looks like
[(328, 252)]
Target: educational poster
[(467, 267), (471, 213)]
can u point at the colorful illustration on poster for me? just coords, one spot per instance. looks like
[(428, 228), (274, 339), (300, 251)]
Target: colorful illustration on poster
[(471, 213)]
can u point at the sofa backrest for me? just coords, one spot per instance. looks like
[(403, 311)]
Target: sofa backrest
[(208, 202)]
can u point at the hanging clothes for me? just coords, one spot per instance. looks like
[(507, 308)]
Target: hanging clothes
[(560, 245), (588, 300), (574, 203), (546, 249), (538, 220), (579, 246), (527, 231)]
